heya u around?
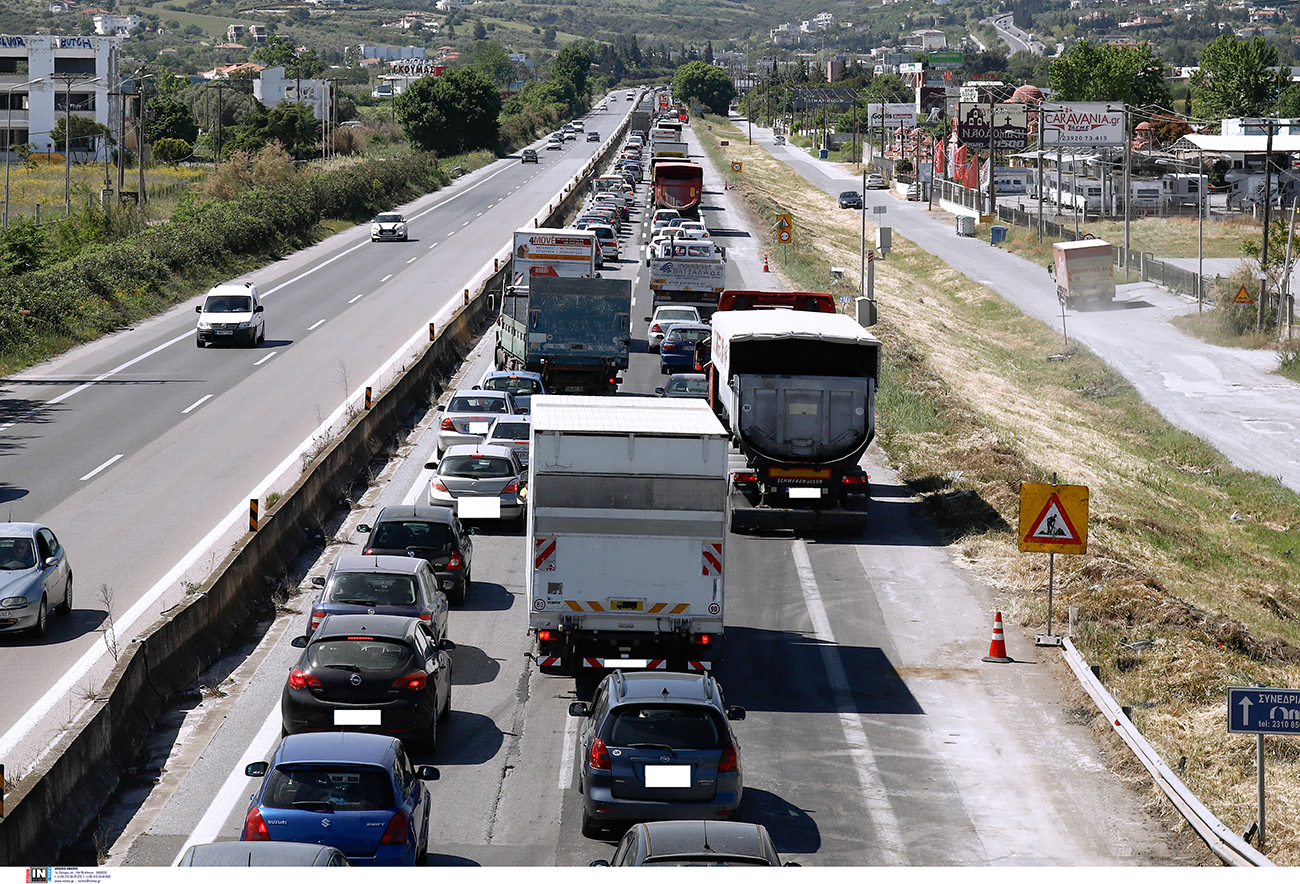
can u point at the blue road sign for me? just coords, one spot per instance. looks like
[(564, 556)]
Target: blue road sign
[(1263, 711)]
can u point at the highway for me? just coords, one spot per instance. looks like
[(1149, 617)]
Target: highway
[(1016, 39), (141, 451), (875, 735)]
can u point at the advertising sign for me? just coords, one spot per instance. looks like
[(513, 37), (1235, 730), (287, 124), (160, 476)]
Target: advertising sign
[(895, 115), (946, 61), (996, 126), (1086, 123), (914, 67)]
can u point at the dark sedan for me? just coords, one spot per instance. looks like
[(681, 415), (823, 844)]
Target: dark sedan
[(850, 199)]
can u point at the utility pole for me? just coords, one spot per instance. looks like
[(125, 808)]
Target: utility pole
[(1128, 189), (1041, 154), (1268, 217)]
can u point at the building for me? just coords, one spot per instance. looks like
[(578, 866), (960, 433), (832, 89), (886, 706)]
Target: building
[(106, 23), (74, 77), (234, 33), (273, 88), (257, 33), (392, 53), (929, 40)]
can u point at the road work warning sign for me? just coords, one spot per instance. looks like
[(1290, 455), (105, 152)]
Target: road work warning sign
[(1053, 518), (1243, 297)]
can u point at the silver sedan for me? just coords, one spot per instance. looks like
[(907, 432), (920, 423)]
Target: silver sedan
[(468, 415), (34, 576), (479, 482)]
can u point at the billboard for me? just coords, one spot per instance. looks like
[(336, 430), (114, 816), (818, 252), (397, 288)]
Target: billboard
[(993, 126), (946, 61), (1085, 123), (895, 115)]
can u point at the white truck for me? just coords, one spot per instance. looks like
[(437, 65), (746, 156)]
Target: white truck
[(627, 532), (686, 272), (552, 251)]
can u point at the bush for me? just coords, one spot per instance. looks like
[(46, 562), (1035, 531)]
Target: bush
[(172, 150)]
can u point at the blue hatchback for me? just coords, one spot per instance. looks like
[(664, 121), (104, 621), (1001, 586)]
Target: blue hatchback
[(357, 792), (677, 350)]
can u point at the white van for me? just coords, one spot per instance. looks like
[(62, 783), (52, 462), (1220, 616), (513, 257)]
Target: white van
[(231, 313)]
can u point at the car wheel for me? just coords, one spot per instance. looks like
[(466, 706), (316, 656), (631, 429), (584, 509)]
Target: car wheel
[(422, 852), (261, 336), (42, 613), (65, 608), (429, 739), (446, 709)]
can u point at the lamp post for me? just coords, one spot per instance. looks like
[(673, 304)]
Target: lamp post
[(9, 136), (68, 80)]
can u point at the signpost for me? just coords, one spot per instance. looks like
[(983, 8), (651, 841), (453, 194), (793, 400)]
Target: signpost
[(1261, 711), (1053, 519)]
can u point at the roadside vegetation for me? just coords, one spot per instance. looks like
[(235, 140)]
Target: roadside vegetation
[(1188, 586)]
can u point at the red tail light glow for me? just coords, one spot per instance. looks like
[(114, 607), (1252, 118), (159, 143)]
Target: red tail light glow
[(856, 479), (512, 488), (255, 826), (395, 834), (744, 476), (703, 639), (598, 757), (414, 681), (545, 635), (448, 426), (299, 679), (729, 763), (455, 563), (439, 486)]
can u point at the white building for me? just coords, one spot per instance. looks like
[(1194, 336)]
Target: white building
[(929, 40), (106, 23), (73, 77), (273, 88), (392, 53)]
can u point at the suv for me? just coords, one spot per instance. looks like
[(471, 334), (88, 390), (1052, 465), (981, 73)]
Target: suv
[(528, 156), (657, 745), (432, 533), (232, 313)]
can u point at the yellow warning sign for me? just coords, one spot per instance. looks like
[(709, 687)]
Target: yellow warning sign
[(1053, 518), (784, 227), (735, 167), (1243, 297)]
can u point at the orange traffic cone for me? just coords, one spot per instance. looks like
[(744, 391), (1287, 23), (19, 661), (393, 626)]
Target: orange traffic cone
[(765, 270), (998, 647)]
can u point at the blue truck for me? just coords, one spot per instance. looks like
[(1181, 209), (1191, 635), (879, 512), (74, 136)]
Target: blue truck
[(575, 332)]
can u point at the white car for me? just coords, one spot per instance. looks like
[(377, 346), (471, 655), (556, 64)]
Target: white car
[(665, 316), (388, 225), (231, 313)]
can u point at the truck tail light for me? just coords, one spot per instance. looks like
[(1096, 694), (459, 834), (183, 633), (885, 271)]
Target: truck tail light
[(255, 826), (455, 563), (729, 763), (856, 479), (299, 679), (395, 834), (412, 681), (545, 635), (598, 757), (744, 476), (702, 638)]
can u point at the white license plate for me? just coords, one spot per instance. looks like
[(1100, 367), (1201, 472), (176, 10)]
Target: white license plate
[(804, 493), (479, 426), (222, 331), (668, 776), (343, 717), (479, 507)]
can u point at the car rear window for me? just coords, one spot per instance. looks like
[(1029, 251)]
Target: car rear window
[(364, 653), (689, 335), (372, 589), (678, 315), (692, 385), (420, 535), (341, 788), (527, 386), (503, 430), (476, 467), (477, 405), (679, 727)]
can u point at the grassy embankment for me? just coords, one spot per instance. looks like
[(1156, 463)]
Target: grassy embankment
[(1186, 552)]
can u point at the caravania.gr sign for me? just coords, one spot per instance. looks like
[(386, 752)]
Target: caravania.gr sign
[(1087, 123)]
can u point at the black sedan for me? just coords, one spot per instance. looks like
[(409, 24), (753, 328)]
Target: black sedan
[(850, 199)]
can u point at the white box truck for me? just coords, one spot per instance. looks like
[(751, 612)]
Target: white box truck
[(552, 251), (627, 532)]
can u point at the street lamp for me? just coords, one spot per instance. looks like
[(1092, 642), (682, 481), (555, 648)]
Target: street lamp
[(68, 80), (9, 136)]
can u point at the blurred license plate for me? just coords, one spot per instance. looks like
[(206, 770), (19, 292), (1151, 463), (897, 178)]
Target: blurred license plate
[(667, 776), (479, 426), (224, 331), (804, 493), (357, 716), (479, 507)]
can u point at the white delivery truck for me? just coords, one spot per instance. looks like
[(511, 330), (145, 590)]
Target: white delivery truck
[(627, 531), (552, 251), (686, 272)]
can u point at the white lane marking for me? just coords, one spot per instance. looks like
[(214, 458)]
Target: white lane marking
[(432, 247), (311, 270), (887, 832), (464, 224), (267, 358), (385, 279), (357, 298), (105, 465), (232, 790), (570, 749), (413, 260), (197, 404), (479, 215), (316, 325)]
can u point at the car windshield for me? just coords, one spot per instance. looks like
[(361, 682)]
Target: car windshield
[(390, 218), (687, 335), (476, 466), (477, 405), (17, 554), (330, 787), (516, 385), (848, 194), (228, 304), (419, 535), (372, 589), (678, 727), (680, 384), (504, 430), (360, 653)]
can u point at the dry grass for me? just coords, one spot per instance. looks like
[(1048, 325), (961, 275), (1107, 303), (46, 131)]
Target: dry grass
[(1185, 550), (43, 183)]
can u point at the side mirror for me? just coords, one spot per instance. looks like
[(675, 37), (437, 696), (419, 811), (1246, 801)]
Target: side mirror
[(427, 772), (256, 769), (473, 530), (198, 309), (364, 529), (440, 407), (599, 863), (299, 641), (431, 465), (659, 391), (578, 709), (446, 645), (735, 713), (647, 319), (318, 581), (476, 387), (258, 308)]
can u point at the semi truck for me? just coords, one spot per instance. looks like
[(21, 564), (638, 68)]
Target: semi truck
[(678, 185), (574, 332), (689, 272), (796, 389), (1085, 272), (627, 533)]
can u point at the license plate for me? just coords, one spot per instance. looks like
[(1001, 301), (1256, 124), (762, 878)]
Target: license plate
[(804, 493), (223, 331), (479, 426), (668, 776), (479, 507), (798, 473), (626, 605), (355, 717)]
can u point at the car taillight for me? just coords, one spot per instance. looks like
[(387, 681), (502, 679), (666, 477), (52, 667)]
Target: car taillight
[(255, 826), (598, 757), (729, 763), (439, 486), (856, 479), (448, 426), (426, 617), (413, 681), (368, 551), (512, 488), (654, 328), (396, 831), (299, 679), (316, 618), (455, 563)]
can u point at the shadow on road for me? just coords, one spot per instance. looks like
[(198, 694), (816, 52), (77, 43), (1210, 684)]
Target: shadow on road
[(487, 597), (792, 830), (465, 738), (470, 665)]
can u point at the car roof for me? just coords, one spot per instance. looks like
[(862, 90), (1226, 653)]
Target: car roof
[(715, 839), (481, 449), (338, 746), (668, 687), (386, 625), (511, 419), (701, 326), (665, 307), (18, 529), (260, 853), (408, 512), (390, 564), (501, 394), (848, 193)]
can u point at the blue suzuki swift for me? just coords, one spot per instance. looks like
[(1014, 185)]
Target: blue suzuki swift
[(357, 792)]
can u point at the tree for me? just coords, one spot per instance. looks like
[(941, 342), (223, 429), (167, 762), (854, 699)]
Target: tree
[(22, 246), (492, 59), (1103, 72), (292, 125), (571, 67), (1237, 78), (83, 132), (283, 52), (706, 83), (480, 30), (168, 118), (548, 38), (451, 114), (172, 150)]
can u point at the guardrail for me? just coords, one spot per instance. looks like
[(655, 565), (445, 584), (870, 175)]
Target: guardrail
[(1225, 843)]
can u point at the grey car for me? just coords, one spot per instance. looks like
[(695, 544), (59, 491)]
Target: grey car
[(479, 482), (657, 746), (685, 386), (696, 843), (402, 585), (34, 576), (512, 431), (468, 415), (263, 853), (523, 385)]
